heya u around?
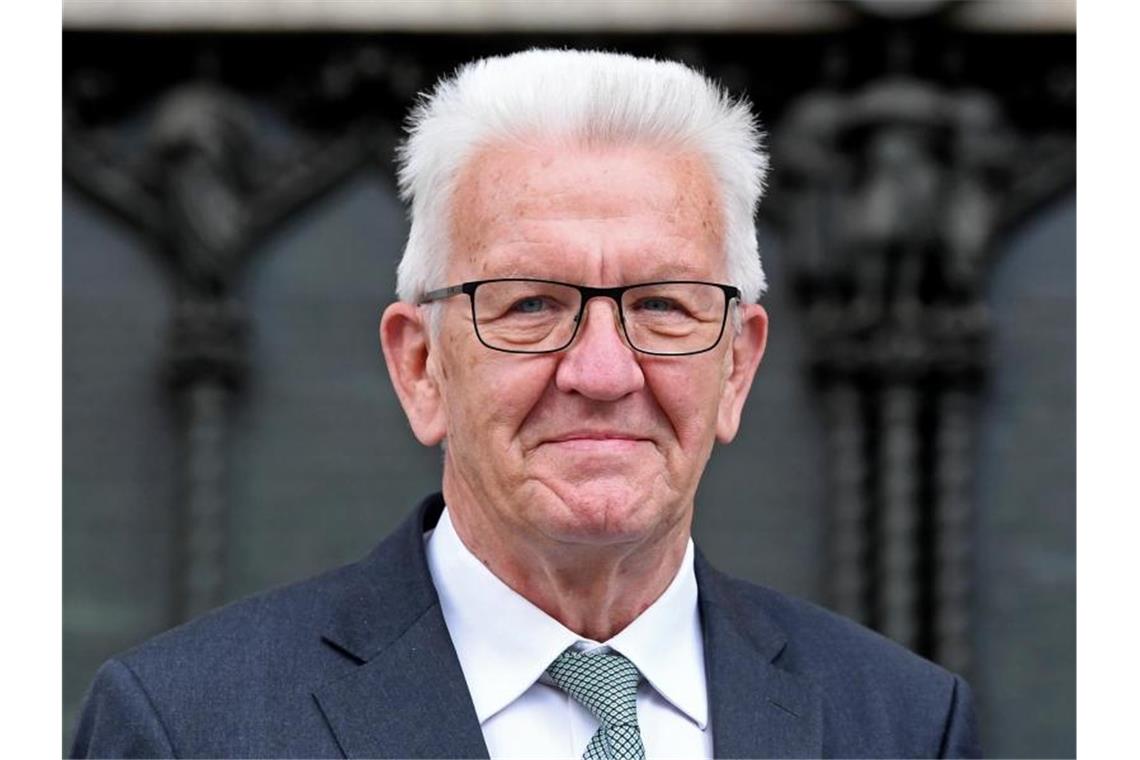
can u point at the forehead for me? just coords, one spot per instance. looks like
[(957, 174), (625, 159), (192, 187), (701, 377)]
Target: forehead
[(587, 214)]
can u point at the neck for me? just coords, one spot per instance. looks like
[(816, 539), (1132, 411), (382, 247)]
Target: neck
[(595, 590)]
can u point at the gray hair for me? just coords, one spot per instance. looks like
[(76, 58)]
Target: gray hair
[(585, 97)]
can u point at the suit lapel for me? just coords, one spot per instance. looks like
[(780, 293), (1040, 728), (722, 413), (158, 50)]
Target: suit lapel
[(407, 697), (408, 701), (756, 708)]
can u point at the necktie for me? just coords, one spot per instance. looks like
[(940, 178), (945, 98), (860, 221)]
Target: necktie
[(606, 685)]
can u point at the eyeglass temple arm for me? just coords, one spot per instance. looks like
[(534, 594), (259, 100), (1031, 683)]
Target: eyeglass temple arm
[(442, 293)]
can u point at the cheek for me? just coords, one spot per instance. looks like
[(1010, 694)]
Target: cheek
[(689, 397), (491, 395)]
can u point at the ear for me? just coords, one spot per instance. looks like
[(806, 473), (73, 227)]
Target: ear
[(407, 351), (743, 359)]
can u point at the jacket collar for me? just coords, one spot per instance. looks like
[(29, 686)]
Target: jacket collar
[(383, 594), (757, 709), (408, 697)]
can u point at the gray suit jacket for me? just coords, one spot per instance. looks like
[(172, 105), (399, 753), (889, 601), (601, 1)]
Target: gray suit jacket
[(358, 663)]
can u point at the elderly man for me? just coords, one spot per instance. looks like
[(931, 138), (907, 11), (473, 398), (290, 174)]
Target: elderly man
[(577, 326)]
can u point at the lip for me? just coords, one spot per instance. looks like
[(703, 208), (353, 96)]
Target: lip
[(597, 441), (595, 435)]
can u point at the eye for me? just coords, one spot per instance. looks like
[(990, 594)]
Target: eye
[(531, 305), (659, 305)]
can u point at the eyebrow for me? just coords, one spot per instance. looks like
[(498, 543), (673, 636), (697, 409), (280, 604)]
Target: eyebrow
[(654, 274), (682, 272)]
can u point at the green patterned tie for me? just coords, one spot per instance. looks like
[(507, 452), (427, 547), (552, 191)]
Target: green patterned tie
[(606, 685)]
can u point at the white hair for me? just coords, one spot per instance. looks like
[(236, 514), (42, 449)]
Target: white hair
[(583, 97)]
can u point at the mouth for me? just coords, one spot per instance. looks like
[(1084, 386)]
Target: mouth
[(597, 441)]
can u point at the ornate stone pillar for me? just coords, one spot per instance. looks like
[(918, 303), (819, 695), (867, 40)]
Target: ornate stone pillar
[(204, 185), (890, 197)]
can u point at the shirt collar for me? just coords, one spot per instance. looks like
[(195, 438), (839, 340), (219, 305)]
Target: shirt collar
[(666, 645), (505, 643)]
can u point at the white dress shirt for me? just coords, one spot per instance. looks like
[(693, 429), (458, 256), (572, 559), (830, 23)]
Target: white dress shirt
[(505, 644)]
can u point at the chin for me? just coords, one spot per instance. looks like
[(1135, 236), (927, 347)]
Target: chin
[(599, 511)]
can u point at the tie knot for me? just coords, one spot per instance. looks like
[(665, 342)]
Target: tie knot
[(605, 684)]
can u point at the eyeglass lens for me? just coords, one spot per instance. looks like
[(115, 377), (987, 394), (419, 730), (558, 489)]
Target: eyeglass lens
[(667, 318)]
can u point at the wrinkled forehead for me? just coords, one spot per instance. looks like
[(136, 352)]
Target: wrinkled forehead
[(657, 207)]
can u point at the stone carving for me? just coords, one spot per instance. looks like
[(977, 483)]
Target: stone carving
[(204, 189), (892, 195)]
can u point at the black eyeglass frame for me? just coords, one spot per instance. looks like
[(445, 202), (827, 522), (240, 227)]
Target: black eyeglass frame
[(587, 293)]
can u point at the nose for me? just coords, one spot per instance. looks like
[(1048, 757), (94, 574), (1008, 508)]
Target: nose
[(599, 364)]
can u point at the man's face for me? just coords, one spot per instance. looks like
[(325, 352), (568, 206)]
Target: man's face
[(595, 444)]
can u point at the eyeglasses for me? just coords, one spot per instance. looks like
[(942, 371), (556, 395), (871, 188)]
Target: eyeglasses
[(527, 316)]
